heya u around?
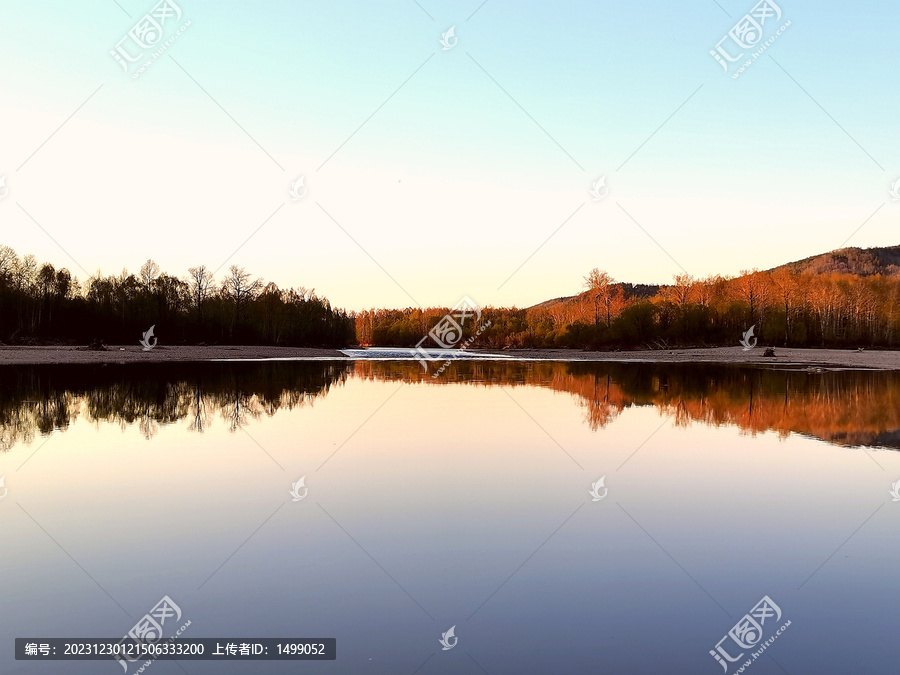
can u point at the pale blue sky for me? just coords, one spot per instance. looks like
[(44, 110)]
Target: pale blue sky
[(451, 185)]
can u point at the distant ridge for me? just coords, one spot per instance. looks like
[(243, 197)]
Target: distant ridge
[(628, 290), (862, 262)]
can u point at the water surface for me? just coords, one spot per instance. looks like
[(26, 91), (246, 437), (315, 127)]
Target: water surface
[(462, 500)]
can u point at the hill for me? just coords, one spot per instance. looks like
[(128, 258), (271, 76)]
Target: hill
[(629, 291), (862, 262)]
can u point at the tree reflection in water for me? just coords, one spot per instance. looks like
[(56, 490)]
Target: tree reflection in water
[(842, 407)]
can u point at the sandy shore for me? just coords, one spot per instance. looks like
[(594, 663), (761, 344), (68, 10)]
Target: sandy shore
[(823, 358), (136, 354)]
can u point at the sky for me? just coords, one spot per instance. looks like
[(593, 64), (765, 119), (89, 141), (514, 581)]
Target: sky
[(430, 174)]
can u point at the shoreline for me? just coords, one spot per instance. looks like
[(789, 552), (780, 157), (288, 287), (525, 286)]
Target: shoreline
[(784, 356), (69, 355), (118, 354)]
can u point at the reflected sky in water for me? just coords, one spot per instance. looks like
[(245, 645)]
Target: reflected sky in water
[(458, 501)]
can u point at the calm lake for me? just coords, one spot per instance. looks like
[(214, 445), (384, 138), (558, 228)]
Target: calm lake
[(473, 500)]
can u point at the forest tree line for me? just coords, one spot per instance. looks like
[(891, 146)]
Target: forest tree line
[(40, 303), (786, 308)]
